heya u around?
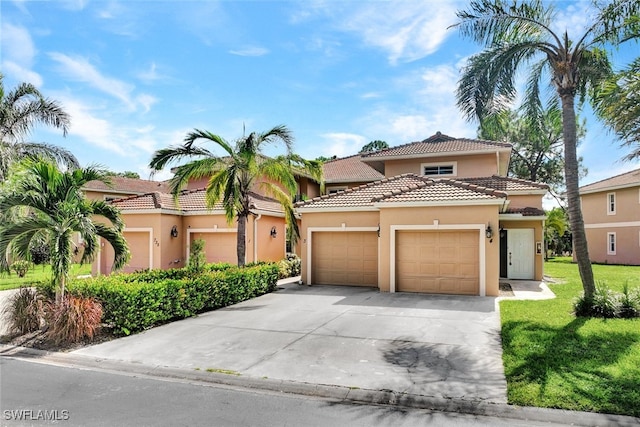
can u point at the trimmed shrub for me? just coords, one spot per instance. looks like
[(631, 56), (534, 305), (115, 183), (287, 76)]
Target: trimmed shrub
[(609, 304), (134, 302), (629, 302), (24, 311), (290, 266), (73, 319)]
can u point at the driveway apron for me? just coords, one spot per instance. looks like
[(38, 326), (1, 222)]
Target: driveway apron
[(441, 346)]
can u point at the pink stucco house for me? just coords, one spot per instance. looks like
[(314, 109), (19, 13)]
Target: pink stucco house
[(611, 212)]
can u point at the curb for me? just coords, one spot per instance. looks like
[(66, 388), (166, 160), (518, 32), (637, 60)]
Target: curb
[(332, 392)]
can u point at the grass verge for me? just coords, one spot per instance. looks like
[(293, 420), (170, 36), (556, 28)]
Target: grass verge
[(553, 359), (37, 274)]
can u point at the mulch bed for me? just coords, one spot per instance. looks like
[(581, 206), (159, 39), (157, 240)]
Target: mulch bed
[(505, 290)]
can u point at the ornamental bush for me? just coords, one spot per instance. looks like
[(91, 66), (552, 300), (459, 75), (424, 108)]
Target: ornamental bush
[(134, 302), (609, 304)]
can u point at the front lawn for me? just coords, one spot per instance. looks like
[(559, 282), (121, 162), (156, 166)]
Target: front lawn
[(37, 274), (553, 359)]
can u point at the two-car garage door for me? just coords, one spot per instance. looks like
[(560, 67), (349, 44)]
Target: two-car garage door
[(429, 261), (444, 262)]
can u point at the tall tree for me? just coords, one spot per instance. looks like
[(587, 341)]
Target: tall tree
[(20, 110), (518, 37), (618, 104), (46, 205), (374, 146), (538, 150), (233, 176)]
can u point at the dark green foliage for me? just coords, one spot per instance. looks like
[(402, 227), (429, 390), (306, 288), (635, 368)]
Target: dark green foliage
[(134, 302), (609, 304), (197, 258), (24, 311), (40, 254)]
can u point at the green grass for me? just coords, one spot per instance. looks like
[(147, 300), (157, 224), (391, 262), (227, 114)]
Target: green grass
[(36, 274), (553, 359)]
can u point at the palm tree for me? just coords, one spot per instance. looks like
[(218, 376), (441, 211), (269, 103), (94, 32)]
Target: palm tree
[(517, 36), (20, 109), (46, 205), (619, 106), (233, 176)]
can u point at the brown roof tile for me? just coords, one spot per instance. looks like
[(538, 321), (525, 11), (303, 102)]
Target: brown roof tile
[(508, 184), (188, 201), (628, 179), (402, 188), (526, 211), (127, 185), (350, 169), (437, 144)]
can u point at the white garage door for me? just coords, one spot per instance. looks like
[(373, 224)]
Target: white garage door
[(345, 258), (442, 262)]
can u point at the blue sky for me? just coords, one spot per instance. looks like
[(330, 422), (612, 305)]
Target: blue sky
[(136, 76)]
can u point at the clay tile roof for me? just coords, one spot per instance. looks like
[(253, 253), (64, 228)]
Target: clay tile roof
[(526, 211), (630, 178), (438, 143), (188, 200), (402, 188), (349, 169), (128, 185), (507, 184)]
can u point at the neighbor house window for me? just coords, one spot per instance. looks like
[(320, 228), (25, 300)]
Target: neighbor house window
[(611, 243), (440, 169), (611, 203)]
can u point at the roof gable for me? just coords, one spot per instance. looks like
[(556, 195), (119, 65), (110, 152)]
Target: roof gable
[(349, 169), (628, 179), (437, 144)]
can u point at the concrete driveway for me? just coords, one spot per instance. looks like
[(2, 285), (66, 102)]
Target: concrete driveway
[(440, 346)]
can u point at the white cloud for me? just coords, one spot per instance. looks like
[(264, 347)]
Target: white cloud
[(22, 74), (250, 51), (575, 19), (79, 69), (153, 74), (18, 53), (342, 144), (407, 30)]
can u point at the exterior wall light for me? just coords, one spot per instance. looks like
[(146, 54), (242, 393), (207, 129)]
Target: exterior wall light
[(273, 232), (174, 231), (488, 232)]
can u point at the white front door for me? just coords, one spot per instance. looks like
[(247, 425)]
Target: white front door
[(520, 253)]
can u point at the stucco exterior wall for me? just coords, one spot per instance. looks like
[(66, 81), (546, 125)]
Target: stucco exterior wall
[(460, 216), (525, 201), (627, 249), (467, 166), (268, 248), (594, 206)]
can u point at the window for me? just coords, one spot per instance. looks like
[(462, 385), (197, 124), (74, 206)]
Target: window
[(611, 243), (443, 169), (611, 203)]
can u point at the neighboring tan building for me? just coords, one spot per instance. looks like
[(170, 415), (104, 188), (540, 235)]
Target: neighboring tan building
[(611, 212), (434, 216), (122, 187)]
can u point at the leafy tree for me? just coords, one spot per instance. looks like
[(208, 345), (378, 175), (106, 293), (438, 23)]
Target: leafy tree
[(374, 146), (517, 37), (324, 159), (49, 206), (618, 103), (537, 144), (555, 227), (233, 177), (20, 110), (125, 174)]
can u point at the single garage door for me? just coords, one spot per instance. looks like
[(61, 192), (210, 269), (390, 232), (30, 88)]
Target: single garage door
[(345, 258), (219, 247), (441, 262)]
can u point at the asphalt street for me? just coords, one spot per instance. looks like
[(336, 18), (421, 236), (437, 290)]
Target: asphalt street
[(36, 394)]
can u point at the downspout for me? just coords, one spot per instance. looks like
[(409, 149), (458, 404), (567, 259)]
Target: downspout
[(255, 237), (498, 161)]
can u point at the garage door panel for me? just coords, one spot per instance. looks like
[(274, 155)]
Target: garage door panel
[(140, 255), (219, 246), (440, 261), (345, 258)]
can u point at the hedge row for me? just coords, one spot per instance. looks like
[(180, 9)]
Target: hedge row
[(134, 302)]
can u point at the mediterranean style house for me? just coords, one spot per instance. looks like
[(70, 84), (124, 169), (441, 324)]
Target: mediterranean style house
[(611, 212), (435, 216)]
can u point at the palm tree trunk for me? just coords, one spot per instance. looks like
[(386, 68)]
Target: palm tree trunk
[(241, 242), (573, 196)]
